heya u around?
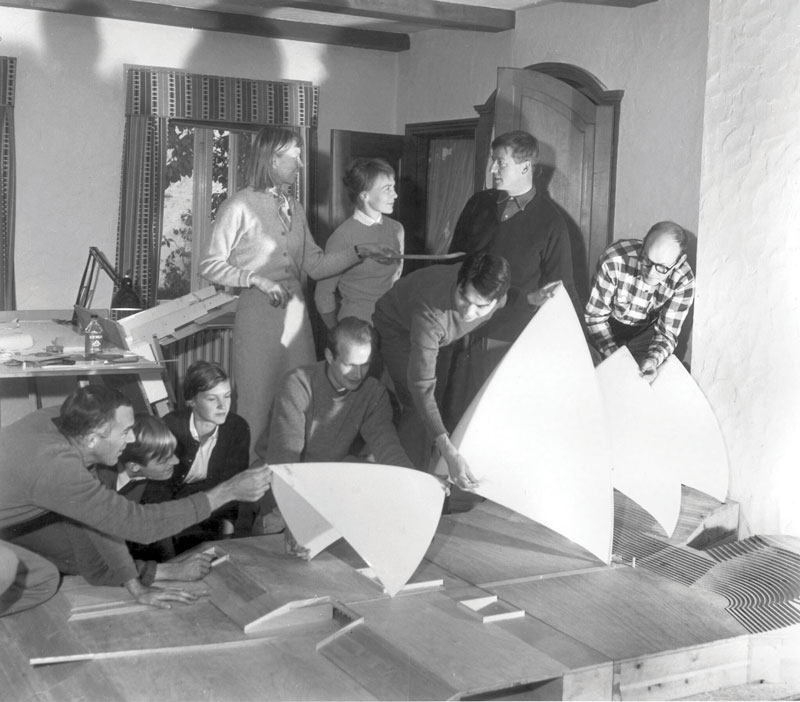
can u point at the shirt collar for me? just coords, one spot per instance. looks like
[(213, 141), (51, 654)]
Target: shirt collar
[(521, 200), (364, 218), (339, 392), (123, 478), (194, 432)]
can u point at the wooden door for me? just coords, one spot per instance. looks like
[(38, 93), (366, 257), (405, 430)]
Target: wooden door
[(577, 145)]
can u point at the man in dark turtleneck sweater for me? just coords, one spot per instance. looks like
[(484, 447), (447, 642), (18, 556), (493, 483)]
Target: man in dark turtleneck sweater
[(524, 226)]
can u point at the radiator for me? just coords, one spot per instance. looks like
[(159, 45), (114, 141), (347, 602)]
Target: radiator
[(210, 344)]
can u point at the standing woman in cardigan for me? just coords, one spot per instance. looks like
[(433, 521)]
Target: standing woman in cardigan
[(261, 243)]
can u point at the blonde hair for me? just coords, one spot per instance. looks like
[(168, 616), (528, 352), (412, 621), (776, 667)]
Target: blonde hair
[(153, 440), (269, 142)]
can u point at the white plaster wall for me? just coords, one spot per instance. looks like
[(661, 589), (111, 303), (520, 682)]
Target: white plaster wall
[(747, 314), (69, 123), (656, 53)]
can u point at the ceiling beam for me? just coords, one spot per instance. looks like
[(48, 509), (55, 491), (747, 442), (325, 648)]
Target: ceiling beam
[(424, 12), (428, 12), (214, 21), (612, 3)]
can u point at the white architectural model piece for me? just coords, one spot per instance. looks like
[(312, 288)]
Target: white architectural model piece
[(642, 467), (535, 435), (663, 435), (696, 448), (386, 513)]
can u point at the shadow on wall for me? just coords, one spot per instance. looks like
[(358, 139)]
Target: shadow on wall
[(684, 348)]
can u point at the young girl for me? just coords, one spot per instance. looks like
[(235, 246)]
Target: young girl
[(212, 446), (370, 183)]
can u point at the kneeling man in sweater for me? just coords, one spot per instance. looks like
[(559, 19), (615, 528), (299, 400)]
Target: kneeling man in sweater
[(321, 409)]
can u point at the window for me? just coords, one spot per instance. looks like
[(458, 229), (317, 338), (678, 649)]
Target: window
[(203, 165), (161, 105)]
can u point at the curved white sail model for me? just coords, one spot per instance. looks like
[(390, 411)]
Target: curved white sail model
[(386, 513), (695, 445), (663, 435), (639, 440), (535, 434)]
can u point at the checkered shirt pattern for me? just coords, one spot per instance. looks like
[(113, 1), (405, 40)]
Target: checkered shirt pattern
[(619, 291)]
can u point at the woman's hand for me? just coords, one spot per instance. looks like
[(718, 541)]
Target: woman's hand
[(277, 295), (378, 252)]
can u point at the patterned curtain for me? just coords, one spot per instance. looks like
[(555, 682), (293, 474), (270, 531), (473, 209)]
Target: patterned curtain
[(8, 67), (156, 95)]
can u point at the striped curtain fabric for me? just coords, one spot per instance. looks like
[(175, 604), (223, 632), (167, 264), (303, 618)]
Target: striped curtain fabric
[(8, 68), (156, 95)]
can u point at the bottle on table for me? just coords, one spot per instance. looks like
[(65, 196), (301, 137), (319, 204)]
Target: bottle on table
[(93, 338)]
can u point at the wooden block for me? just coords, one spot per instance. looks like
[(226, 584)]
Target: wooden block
[(409, 587), (685, 672), (488, 609), (254, 608)]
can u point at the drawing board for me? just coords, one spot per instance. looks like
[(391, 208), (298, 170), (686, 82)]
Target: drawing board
[(535, 434), (387, 514)]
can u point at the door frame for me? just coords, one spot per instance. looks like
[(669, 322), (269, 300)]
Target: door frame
[(413, 190)]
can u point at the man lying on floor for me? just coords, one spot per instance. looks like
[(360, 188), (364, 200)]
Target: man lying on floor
[(56, 512)]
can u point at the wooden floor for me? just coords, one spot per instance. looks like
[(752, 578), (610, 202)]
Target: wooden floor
[(586, 630)]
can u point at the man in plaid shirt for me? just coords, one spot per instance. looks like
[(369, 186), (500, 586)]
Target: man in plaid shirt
[(641, 294)]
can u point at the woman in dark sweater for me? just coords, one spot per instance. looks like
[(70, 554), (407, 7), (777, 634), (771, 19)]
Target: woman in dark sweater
[(213, 445)]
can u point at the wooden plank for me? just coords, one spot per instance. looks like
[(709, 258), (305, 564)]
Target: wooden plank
[(570, 652), (686, 672), (433, 632), (492, 544), (137, 652), (43, 631), (383, 669), (283, 668), (625, 612)]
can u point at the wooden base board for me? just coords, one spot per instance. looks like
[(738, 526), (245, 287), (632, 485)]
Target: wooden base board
[(591, 632)]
